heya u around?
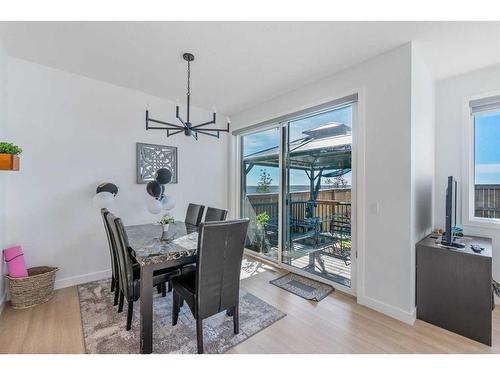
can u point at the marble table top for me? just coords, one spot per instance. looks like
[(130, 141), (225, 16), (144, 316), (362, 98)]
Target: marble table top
[(149, 249)]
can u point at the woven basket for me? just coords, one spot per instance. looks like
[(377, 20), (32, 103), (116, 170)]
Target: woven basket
[(33, 290)]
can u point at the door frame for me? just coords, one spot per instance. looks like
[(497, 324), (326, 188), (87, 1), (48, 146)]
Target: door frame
[(357, 189)]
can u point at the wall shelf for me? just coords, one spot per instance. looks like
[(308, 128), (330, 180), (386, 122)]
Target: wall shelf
[(9, 162)]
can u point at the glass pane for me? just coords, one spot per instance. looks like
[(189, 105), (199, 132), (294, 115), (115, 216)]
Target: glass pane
[(318, 195), (260, 190), (487, 165)]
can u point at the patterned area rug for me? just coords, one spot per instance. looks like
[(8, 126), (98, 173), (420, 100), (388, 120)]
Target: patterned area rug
[(303, 287), (104, 329)]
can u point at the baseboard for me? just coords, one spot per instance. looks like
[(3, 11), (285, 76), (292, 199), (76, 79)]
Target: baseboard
[(82, 279), (407, 317)]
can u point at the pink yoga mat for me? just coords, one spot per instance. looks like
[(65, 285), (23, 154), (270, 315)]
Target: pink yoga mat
[(14, 258)]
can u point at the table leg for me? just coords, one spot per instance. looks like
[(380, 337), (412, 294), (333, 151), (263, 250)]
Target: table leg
[(146, 310)]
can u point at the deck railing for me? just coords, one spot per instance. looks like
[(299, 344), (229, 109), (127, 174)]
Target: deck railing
[(487, 201), (325, 210), (487, 205)]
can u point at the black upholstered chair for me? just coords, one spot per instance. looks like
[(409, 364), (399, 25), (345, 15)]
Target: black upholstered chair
[(215, 214), (194, 214), (129, 272), (112, 251), (215, 284)]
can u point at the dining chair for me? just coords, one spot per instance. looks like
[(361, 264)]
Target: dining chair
[(215, 284), (215, 214), (112, 251), (194, 214), (129, 273)]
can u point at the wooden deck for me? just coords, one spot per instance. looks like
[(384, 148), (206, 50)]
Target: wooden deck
[(312, 259)]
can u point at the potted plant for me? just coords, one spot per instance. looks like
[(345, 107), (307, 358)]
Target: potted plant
[(165, 222), (9, 159), (261, 220)]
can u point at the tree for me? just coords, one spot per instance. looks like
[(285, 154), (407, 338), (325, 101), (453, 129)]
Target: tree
[(329, 182), (264, 181), (340, 182)]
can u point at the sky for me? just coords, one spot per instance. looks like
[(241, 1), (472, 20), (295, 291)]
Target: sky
[(487, 148), (270, 138)]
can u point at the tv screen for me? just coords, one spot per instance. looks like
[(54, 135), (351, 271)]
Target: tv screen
[(451, 214)]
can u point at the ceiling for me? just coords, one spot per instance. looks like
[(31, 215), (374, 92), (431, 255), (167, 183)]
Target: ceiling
[(241, 64)]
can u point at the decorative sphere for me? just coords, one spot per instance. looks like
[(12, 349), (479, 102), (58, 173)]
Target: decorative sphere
[(154, 206), (154, 189), (104, 199), (168, 202), (163, 176), (107, 187)]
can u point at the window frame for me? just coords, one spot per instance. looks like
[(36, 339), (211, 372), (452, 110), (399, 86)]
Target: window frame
[(468, 168)]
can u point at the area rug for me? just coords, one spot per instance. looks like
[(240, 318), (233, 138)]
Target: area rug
[(104, 329), (303, 287)]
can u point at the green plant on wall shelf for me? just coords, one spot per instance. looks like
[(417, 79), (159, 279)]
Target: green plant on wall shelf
[(10, 148)]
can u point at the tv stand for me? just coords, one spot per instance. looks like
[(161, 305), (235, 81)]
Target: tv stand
[(454, 244), (454, 288)]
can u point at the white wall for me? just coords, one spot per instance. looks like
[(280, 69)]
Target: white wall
[(450, 96), (76, 133), (3, 177), (422, 154), (384, 85)]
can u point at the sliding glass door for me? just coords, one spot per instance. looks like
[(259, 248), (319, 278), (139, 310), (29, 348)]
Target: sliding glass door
[(296, 188), (260, 190), (317, 195)]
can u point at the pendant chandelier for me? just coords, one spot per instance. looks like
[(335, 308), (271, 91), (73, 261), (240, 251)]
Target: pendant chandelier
[(187, 127)]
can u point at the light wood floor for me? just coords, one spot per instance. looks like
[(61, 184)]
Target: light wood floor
[(335, 325)]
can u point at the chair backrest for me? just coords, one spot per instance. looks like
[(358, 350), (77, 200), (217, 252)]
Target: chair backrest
[(215, 214), (111, 244), (194, 214), (220, 252), (125, 269)]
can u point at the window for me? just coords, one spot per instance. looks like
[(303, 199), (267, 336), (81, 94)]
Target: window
[(485, 195)]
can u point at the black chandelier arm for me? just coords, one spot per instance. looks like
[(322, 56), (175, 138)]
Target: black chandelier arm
[(177, 112), (163, 128), (213, 121), (226, 130), (174, 133), (148, 119), (203, 124), (172, 126), (213, 130), (206, 133), (179, 117)]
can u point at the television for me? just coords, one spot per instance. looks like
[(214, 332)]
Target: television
[(451, 215)]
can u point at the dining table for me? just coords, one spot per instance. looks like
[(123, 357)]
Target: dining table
[(152, 252)]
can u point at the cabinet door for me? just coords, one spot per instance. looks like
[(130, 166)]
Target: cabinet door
[(454, 292)]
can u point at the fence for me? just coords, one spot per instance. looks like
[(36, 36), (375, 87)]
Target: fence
[(487, 201)]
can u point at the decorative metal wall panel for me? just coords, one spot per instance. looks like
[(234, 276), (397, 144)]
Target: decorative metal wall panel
[(151, 157)]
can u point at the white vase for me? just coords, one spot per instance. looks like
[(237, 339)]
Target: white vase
[(164, 235)]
